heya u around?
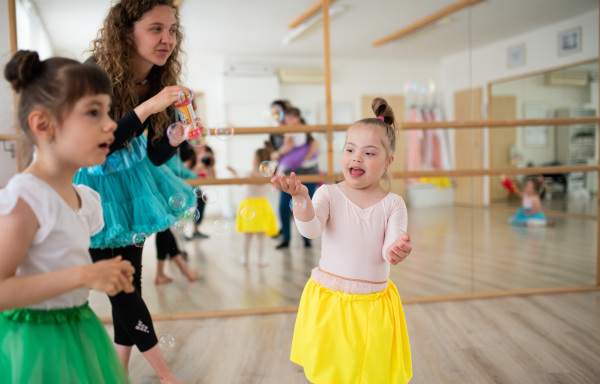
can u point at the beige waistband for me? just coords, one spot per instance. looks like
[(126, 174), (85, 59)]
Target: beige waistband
[(346, 278)]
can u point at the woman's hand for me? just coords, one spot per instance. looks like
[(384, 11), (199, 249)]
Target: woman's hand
[(400, 249), (111, 276), (159, 102)]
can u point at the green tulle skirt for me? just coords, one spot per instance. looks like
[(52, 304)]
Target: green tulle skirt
[(57, 346)]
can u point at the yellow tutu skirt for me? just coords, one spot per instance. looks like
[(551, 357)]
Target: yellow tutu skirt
[(256, 215), (343, 338)]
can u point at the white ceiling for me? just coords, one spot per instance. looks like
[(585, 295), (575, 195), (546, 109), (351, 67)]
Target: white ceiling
[(257, 27)]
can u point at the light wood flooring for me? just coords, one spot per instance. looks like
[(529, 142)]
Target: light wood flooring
[(456, 250), (531, 340)]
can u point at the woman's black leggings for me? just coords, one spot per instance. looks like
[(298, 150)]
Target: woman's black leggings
[(166, 245), (131, 318)]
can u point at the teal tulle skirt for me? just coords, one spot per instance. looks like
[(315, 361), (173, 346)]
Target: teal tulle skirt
[(522, 219), (57, 346), (135, 195)]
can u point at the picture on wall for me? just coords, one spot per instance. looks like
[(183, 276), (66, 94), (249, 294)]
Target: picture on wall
[(515, 56), (569, 41)]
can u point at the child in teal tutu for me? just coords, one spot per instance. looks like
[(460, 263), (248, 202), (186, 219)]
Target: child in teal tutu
[(48, 333), (530, 213)]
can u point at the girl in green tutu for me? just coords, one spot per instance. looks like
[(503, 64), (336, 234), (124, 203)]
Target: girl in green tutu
[(48, 333)]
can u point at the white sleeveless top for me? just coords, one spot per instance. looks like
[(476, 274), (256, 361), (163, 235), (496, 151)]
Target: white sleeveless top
[(63, 238)]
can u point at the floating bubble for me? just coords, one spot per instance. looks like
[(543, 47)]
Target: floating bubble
[(273, 115), (191, 214), (298, 204), (139, 239), (210, 196), (198, 192), (185, 95), (176, 132), (220, 224), (266, 168), (224, 131), (198, 135), (182, 225), (247, 213), (166, 342), (177, 202)]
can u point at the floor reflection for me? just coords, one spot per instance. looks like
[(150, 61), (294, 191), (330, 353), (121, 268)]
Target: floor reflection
[(456, 250)]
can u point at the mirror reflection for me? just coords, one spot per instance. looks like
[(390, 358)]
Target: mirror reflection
[(244, 75)]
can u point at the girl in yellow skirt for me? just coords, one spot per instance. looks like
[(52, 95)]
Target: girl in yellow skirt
[(255, 215), (350, 326)]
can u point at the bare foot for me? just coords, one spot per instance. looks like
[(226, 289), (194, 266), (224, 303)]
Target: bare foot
[(263, 263), (170, 380), (191, 274), (162, 279)]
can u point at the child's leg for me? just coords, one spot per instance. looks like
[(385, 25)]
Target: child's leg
[(247, 241), (171, 244), (188, 272), (261, 242), (131, 319), (163, 243)]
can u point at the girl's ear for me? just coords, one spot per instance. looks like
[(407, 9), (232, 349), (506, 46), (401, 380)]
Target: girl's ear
[(389, 162), (41, 125)]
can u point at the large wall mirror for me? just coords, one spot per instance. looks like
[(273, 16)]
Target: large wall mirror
[(439, 63)]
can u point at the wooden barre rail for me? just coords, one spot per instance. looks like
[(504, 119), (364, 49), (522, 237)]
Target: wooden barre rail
[(9, 137), (409, 175), (405, 126), (424, 125)]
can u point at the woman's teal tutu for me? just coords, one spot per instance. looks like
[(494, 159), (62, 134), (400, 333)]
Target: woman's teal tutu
[(521, 219), (135, 195), (57, 346)]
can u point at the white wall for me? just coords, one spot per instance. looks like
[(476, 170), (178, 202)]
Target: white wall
[(8, 165), (488, 63)]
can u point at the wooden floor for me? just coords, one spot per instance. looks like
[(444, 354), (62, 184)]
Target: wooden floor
[(456, 250), (530, 340)]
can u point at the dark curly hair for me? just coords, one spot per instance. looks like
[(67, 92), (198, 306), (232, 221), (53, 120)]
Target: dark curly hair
[(113, 51)]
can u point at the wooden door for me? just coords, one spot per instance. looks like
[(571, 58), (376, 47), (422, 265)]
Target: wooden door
[(399, 164), (468, 146), (501, 141)]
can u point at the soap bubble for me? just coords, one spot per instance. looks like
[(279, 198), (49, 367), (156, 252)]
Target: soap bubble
[(210, 196), (298, 204), (220, 224), (198, 192), (185, 95), (266, 168), (224, 131), (273, 115), (198, 135), (182, 225), (247, 213), (177, 202), (191, 214), (176, 132), (166, 342), (139, 239)]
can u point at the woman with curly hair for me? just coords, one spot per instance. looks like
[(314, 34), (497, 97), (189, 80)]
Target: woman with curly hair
[(140, 47)]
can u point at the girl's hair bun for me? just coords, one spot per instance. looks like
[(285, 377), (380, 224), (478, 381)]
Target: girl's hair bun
[(381, 108), (23, 66)]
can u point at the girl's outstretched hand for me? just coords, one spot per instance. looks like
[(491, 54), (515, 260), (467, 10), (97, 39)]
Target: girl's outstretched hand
[(292, 186), (400, 249), (111, 276)]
